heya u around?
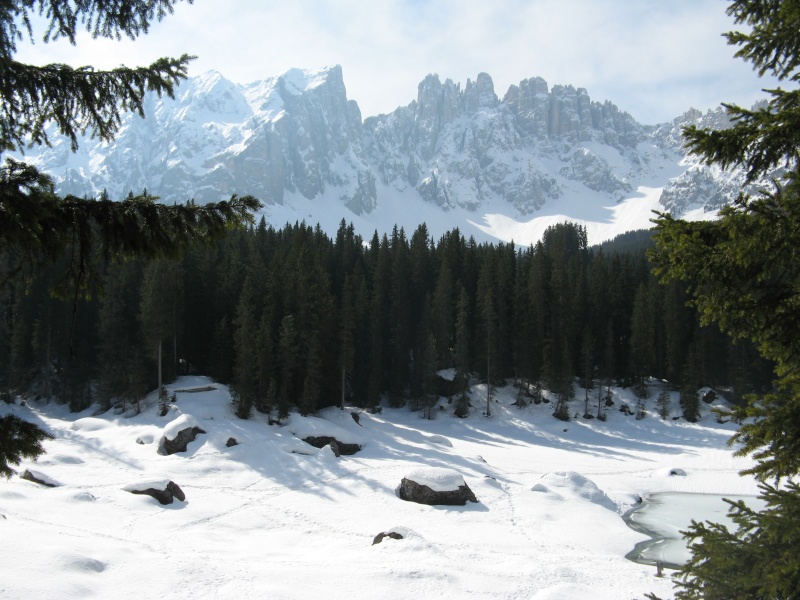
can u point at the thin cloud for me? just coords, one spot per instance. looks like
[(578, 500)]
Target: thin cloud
[(654, 60)]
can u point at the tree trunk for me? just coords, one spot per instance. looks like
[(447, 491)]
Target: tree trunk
[(488, 372), (344, 374), (160, 382)]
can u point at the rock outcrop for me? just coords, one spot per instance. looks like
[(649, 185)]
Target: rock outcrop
[(384, 534), (178, 434), (165, 492), (339, 448)]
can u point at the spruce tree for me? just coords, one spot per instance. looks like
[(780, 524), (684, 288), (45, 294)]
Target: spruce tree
[(744, 273), (430, 396), (462, 354), (310, 398), (161, 289), (690, 403), (265, 367), (488, 336), (244, 387), (346, 335), (442, 306), (642, 339), (587, 366), (663, 404), (19, 439), (118, 334), (287, 356)]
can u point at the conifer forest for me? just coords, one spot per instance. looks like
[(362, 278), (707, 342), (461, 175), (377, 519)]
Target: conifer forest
[(293, 319)]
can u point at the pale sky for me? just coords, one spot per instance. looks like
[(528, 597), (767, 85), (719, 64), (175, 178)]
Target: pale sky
[(653, 58)]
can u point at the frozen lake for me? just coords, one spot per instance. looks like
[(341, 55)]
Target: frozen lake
[(664, 515)]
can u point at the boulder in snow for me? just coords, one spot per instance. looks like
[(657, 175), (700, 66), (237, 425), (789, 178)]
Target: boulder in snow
[(231, 442), (178, 434), (435, 486), (440, 440), (384, 534), (338, 447), (322, 432), (576, 485), (40, 478), (163, 490), (90, 424), (709, 396)]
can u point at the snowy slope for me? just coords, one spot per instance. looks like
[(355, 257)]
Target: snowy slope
[(273, 517), (456, 156)]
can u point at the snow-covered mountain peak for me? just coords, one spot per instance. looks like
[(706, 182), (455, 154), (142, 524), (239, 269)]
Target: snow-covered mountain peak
[(455, 156), (299, 81), (480, 94), (212, 98)]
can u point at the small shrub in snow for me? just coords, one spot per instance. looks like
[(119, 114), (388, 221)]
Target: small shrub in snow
[(462, 406), (163, 402), (663, 404), (641, 408)]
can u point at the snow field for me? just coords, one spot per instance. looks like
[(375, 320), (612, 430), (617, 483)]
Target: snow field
[(262, 520)]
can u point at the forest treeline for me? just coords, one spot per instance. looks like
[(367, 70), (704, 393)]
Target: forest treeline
[(293, 319)]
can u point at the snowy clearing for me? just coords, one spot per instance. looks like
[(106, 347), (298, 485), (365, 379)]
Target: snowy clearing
[(273, 517)]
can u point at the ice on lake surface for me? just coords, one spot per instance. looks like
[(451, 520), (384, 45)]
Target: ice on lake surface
[(664, 515)]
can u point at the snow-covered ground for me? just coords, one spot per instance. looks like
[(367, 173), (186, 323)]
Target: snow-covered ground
[(273, 517)]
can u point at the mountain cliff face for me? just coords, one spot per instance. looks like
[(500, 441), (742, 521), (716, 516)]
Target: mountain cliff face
[(458, 150), (464, 147)]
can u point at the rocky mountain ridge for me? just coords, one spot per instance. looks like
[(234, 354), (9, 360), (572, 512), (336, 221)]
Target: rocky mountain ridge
[(462, 151)]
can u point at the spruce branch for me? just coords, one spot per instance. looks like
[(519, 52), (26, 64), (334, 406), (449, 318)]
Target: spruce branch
[(101, 18), (76, 100)]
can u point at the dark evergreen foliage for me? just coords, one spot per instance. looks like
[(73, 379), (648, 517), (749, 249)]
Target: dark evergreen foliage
[(76, 100), (757, 560), (38, 229), (19, 439), (266, 310), (35, 224), (690, 403), (743, 273)]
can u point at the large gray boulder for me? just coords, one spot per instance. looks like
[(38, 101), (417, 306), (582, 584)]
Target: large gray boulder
[(434, 486), (178, 434), (181, 441)]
